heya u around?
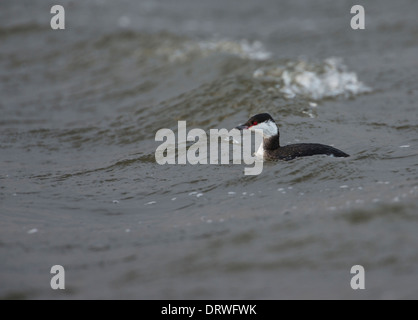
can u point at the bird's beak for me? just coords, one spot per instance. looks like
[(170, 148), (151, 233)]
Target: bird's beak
[(241, 127)]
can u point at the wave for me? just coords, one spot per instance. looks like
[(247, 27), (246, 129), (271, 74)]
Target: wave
[(244, 49), (316, 81)]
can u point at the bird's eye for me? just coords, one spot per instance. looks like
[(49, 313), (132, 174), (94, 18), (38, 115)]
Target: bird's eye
[(255, 123)]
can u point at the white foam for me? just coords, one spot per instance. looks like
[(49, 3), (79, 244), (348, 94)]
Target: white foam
[(314, 80), (151, 202), (309, 113), (244, 49), (32, 231)]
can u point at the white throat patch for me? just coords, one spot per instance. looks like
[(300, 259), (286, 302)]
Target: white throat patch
[(260, 151)]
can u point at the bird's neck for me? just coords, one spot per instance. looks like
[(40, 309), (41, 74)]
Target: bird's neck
[(268, 143), (271, 142)]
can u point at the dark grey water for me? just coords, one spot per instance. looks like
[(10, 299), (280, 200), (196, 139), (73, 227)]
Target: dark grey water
[(79, 185)]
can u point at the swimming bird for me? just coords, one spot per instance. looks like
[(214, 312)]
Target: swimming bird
[(270, 147)]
